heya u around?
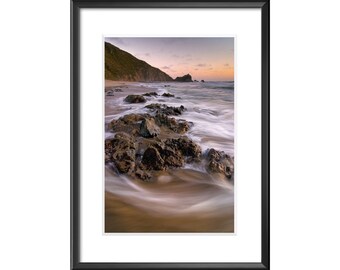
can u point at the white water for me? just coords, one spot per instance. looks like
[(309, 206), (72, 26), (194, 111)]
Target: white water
[(210, 106), (175, 193)]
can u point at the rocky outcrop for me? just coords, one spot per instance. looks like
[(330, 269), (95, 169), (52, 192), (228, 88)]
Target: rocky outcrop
[(172, 157), (129, 124), (135, 99), (122, 66), (136, 124), (155, 141), (171, 153), (177, 125), (121, 150), (185, 78), (168, 95), (164, 109), (186, 146), (148, 128), (219, 162), (150, 94), (152, 160), (137, 150)]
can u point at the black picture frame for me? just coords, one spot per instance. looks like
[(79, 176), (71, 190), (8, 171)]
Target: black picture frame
[(76, 6)]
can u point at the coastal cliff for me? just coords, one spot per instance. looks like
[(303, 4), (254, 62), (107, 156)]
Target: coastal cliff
[(122, 66)]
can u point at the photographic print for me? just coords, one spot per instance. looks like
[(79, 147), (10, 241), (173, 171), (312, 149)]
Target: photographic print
[(169, 134)]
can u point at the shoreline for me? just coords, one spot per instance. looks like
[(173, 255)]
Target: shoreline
[(122, 216), (127, 89)]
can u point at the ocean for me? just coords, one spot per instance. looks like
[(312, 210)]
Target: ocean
[(210, 107)]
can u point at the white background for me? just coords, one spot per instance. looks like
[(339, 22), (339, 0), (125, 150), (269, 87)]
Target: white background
[(34, 143), (245, 244)]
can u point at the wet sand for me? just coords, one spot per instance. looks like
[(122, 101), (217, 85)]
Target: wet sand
[(122, 217)]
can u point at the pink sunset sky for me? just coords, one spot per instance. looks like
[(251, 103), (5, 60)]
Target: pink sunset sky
[(208, 58)]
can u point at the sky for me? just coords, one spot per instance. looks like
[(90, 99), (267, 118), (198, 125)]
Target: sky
[(207, 58)]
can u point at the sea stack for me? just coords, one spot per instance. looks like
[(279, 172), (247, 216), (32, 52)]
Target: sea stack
[(185, 78)]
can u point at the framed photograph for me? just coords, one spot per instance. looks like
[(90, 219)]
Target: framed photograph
[(169, 135)]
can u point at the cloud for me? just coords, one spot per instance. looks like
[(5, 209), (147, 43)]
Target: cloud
[(147, 54), (226, 65), (187, 57), (165, 67), (203, 65)]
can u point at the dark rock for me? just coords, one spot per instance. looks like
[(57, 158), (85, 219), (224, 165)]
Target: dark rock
[(121, 126), (185, 78), (118, 90), (150, 94), (172, 157), (132, 118), (129, 123), (174, 160), (168, 95), (186, 146), (179, 126), (109, 93), (143, 175), (138, 157), (121, 151), (162, 119), (132, 123), (155, 106), (135, 99), (202, 80), (215, 167), (167, 85), (148, 128), (162, 108), (213, 154), (177, 110), (152, 160), (219, 162)]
